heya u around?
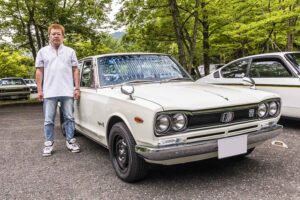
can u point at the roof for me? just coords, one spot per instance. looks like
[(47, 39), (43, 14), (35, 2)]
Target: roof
[(272, 54), (123, 54)]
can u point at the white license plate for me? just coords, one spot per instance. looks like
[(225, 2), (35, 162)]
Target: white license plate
[(232, 146)]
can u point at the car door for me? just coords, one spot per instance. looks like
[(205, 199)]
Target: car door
[(273, 74), (86, 109)]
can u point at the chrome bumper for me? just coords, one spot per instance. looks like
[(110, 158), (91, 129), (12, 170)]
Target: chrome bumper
[(203, 147)]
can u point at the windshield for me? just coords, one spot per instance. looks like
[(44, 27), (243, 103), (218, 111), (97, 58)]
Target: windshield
[(294, 59), (29, 81), (12, 82), (138, 68)]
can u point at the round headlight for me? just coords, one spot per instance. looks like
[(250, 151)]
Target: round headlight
[(273, 108), (178, 122), (262, 110), (162, 123)]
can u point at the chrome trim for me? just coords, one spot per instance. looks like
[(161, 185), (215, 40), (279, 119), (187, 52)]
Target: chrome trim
[(203, 147)]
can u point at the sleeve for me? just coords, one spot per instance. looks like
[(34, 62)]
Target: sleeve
[(39, 61), (74, 60)]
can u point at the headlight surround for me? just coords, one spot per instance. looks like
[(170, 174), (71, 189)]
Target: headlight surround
[(273, 108), (162, 124), (179, 122), (262, 110)]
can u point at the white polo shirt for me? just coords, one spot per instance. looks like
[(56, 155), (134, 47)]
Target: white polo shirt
[(58, 73)]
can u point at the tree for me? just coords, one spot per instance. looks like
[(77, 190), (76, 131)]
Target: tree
[(27, 20), (14, 64)]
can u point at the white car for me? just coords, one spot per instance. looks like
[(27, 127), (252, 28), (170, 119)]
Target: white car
[(145, 108), (275, 72), (31, 84)]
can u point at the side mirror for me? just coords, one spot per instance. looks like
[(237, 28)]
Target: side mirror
[(248, 81), (128, 90)]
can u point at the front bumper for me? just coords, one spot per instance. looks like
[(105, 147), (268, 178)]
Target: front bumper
[(203, 147)]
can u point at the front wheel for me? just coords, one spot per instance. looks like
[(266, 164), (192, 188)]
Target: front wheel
[(127, 164), (62, 124), (242, 156)]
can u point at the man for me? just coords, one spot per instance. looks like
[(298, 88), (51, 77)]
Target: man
[(57, 80)]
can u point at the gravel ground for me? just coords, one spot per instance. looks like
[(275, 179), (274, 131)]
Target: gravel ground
[(270, 172)]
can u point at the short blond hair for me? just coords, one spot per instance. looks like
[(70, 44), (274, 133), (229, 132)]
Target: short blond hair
[(56, 26)]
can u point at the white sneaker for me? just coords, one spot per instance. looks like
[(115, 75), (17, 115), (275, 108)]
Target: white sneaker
[(47, 151), (73, 146)]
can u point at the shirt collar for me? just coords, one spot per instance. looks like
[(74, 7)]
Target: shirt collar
[(59, 48)]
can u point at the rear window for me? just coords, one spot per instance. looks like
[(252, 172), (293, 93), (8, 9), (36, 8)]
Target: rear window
[(294, 59)]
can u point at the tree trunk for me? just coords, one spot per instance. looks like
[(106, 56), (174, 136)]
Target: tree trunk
[(43, 37), (194, 38), (290, 40), (31, 41), (30, 10), (178, 32), (205, 34)]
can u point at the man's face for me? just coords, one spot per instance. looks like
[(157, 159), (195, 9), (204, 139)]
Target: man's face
[(56, 37)]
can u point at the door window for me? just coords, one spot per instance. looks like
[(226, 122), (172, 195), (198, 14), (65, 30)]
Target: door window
[(87, 77), (235, 70), (271, 68)]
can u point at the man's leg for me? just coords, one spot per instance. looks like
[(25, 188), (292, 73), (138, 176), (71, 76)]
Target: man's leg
[(49, 107), (67, 105)]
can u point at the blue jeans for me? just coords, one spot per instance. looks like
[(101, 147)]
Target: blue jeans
[(67, 108)]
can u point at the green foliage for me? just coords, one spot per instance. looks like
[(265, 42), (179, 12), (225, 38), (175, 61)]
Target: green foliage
[(224, 29), (101, 44), (235, 28), (14, 64)]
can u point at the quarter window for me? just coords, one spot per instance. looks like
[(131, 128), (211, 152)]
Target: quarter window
[(87, 77), (235, 70), (268, 69)]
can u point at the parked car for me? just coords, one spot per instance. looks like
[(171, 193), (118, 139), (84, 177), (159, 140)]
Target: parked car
[(145, 108), (14, 88), (275, 72), (31, 84)]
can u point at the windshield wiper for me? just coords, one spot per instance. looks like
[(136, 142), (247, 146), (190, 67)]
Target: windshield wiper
[(138, 81), (176, 79)]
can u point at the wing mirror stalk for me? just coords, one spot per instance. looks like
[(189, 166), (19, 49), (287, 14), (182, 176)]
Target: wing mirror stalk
[(248, 81), (128, 90)]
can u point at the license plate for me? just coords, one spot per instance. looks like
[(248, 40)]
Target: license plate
[(232, 146)]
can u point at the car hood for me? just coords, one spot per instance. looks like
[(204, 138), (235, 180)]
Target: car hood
[(197, 96), (11, 87)]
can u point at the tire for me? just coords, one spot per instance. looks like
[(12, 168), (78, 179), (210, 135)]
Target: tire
[(241, 156), (128, 166), (249, 151), (61, 120)]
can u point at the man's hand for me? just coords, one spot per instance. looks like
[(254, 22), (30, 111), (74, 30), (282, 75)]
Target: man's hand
[(76, 94), (40, 95), (39, 79)]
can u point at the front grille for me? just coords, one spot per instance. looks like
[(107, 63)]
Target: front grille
[(213, 117)]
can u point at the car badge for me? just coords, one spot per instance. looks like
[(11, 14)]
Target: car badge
[(251, 113), (227, 117)]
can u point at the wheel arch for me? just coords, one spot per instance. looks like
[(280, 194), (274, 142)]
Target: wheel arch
[(113, 120)]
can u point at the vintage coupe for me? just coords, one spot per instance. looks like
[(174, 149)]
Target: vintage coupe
[(274, 72), (14, 88), (145, 108)]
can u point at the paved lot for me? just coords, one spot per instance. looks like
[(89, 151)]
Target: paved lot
[(268, 173)]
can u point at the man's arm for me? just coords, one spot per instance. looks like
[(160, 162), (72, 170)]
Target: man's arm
[(76, 82), (39, 80)]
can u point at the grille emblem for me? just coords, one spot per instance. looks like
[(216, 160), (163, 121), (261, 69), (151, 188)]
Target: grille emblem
[(251, 112), (227, 117)]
